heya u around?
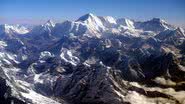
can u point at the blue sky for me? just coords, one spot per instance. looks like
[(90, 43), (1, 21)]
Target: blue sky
[(38, 11)]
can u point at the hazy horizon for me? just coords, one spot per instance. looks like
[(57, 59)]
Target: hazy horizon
[(39, 11)]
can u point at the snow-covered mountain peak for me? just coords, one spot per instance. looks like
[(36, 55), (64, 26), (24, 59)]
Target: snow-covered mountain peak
[(91, 19), (86, 17), (47, 27), (100, 21), (21, 29), (93, 23), (18, 29), (159, 20), (50, 23), (125, 22), (156, 25), (110, 19)]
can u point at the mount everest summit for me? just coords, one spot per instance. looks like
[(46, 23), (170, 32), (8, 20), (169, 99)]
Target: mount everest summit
[(93, 60)]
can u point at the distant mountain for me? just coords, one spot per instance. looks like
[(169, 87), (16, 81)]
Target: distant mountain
[(156, 25), (47, 27), (12, 30), (93, 60)]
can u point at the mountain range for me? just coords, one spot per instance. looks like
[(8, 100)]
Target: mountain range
[(93, 60)]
